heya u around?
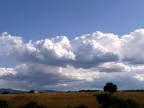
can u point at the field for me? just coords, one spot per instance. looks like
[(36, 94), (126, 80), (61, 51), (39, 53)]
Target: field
[(61, 99)]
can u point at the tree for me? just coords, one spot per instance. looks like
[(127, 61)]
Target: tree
[(110, 87)]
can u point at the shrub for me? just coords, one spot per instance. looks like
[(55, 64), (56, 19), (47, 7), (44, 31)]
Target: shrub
[(81, 106), (33, 105), (133, 104), (4, 104), (110, 101), (69, 106), (5, 92)]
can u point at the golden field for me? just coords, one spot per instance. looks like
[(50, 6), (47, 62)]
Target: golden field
[(61, 99)]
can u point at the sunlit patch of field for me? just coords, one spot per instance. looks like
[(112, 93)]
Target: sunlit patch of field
[(61, 99)]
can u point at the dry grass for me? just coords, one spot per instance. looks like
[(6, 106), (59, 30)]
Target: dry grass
[(137, 96), (60, 100)]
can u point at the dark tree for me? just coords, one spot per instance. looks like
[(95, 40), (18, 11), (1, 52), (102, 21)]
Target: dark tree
[(110, 87)]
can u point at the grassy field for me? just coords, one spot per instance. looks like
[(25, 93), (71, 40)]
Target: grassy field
[(60, 100)]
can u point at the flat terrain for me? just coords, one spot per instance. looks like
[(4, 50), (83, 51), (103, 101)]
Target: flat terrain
[(61, 99)]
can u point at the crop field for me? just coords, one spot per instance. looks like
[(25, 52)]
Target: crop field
[(61, 99)]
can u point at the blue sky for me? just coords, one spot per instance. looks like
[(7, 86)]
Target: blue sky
[(35, 19), (76, 44)]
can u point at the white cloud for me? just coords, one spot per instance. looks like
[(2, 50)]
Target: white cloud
[(139, 77), (54, 53), (7, 71), (10, 44), (90, 52), (114, 67), (88, 61), (133, 49)]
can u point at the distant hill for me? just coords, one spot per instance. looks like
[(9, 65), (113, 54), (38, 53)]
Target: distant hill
[(47, 91), (6, 91)]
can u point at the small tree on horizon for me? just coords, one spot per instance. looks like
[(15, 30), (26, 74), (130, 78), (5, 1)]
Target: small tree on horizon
[(110, 87)]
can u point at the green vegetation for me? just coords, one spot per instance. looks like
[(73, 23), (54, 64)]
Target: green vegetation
[(88, 90), (5, 92), (79, 106), (90, 98), (110, 87), (4, 104), (33, 105), (69, 106), (110, 101)]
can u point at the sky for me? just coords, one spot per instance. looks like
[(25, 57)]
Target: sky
[(71, 44)]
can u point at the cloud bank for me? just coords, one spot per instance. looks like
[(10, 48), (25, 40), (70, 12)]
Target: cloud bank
[(85, 62)]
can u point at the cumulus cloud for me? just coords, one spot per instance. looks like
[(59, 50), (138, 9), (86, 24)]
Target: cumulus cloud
[(139, 77), (88, 61), (114, 67), (7, 71), (10, 44), (40, 76), (133, 49), (90, 52), (83, 52)]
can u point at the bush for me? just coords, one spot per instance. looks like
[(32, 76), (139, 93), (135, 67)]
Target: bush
[(5, 92), (33, 105), (110, 101), (81, 106), (69, 106), (4, 104), (133, 104)]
